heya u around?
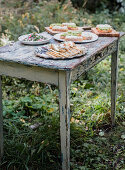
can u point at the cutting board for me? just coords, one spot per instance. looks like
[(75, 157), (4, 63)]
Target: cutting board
[(111, 34)]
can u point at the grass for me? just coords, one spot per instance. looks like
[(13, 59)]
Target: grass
[(90, 107), (94, 144)]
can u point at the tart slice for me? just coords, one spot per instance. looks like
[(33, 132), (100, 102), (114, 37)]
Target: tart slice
[(68, 24), (73, 38), (63, 36), (75, 33), (56, 24), (86, 36), (72, 27), (104, 28), (60, 28)]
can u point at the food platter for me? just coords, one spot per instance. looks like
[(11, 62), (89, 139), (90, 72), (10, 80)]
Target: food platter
[(75, 51), (93, 36), (56, 28), (105, 30), (50, 31), (23, 39), (111, 34)]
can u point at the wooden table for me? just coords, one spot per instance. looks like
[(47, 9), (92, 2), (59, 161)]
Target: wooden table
[(19, 61)]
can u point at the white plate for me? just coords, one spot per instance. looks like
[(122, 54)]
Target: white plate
[(94, 37), (21, 39), (38, 52)]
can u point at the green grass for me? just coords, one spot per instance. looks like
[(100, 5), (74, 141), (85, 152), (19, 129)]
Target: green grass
[(94, 144), (90, 109)]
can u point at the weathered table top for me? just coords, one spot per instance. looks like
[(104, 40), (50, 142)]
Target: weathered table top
[(24, 54)]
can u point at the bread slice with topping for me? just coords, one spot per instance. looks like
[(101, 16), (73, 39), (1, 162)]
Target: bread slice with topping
[(104, 28)]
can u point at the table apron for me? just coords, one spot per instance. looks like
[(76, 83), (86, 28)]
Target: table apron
[(32, 73), (93, 60)]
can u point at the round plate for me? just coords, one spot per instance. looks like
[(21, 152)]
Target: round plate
[(21, 39), (41, 52), (94, 38)]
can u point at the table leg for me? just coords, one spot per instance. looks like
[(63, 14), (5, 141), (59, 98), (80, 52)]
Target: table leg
[(114, 76), (1, 123), (64, 105)]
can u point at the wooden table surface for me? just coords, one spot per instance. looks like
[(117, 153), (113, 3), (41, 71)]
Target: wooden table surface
[(19, 61), (24, 54)]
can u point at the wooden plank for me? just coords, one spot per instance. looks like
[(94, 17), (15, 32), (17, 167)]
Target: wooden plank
[(64, 105), (32, 73), (1, 123), (114, 77), (111, 34)]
